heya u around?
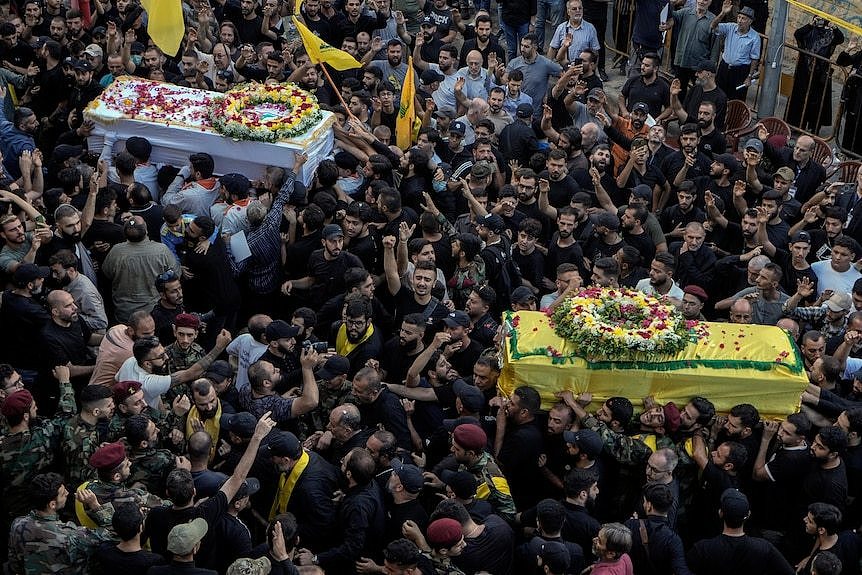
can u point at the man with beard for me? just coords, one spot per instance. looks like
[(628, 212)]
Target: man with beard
[(353, 20), (417, 298), (460, 349), (468, 449), (782, 465), (357, 338), (637, 170), (536, 69), (66, 338), (247, 21), (148, 365), (91, 307), (281, 352), (561, 185), (169, 305), (675, 218), (478, 307), (553, 459), (23, 317), (184, 351), (626, 130), (660, 281), (378, 405), (305, 487), (742, 425), (447, 58), (648, 88), (361, 239), (431, 42), (740, 59), (563, 247), (83, 433), (131, 267), (686, 163), (17, 137), (826, 482), (313, 19), (394, 68), (793, 261), (326, 267), (712, 140), (694, 41), (500, 117), (485, 43), (86, 88), (16, 54), (606, 240), (361, 517), (518, 443), (262, 397), (400, 351), (633, 220), (601, 175)]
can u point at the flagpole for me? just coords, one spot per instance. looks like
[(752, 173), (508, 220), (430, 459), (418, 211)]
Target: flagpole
[(337, 91)]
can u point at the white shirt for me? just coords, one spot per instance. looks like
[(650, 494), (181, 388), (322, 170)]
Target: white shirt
[(644, 286), (828, 278), (152, 385), (246, 350)]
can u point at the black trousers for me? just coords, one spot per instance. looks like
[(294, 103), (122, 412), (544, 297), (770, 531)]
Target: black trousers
[(729, 78)]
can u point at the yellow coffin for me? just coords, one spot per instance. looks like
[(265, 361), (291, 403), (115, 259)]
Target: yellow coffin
[(735, 364)]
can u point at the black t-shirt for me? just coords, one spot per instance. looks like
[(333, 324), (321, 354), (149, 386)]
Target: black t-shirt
[(561, 191), (329, 274), (67, 344), (405, 304), (651, 177), (395, 360), (464, 359), (103, 231), (557, 255), (368, 250), (532, 266), (108, 559), (655, 95), (644, 244), (826, 485), (299, 254), (161, 520), (745, 554), (490, 551)]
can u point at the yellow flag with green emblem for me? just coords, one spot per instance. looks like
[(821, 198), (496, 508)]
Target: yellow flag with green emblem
[(407, 110), (165, 24), (319, 51)]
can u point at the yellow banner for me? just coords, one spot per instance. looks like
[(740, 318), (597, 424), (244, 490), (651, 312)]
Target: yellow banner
[(734, 364), (319, 51), (165, 24), (406, 110), (826, 16)]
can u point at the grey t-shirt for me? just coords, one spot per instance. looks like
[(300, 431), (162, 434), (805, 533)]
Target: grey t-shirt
[(764, 312)]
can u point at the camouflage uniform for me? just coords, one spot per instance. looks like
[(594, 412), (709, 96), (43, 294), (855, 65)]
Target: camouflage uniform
[(28, 453), (80, 440), (485, 470), (151, 468), (625, 449), (40, 544), (179, 360), (318, 418), (117, 494), (443, 565), (166, 421)]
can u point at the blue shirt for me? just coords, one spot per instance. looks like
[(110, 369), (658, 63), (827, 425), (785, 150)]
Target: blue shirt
[(739, 49), (583, 37)]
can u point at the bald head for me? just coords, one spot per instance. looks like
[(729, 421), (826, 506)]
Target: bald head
[(57, 299), (200, 444)]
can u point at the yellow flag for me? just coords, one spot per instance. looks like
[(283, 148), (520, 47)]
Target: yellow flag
[(297, 7), (407, 110), (165, 24), (319, 51)]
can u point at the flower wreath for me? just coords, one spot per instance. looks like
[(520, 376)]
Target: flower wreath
[(620, 324), (266, 113)]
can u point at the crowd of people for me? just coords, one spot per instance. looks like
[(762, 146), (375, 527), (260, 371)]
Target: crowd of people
[(327, 402)]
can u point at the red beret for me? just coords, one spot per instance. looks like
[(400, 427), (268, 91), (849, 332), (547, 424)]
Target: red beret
[(444, 533), (108, 456), (17, 403), (470, 437), (125, 389), (697, 292), (671, 417), (187, 320)]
